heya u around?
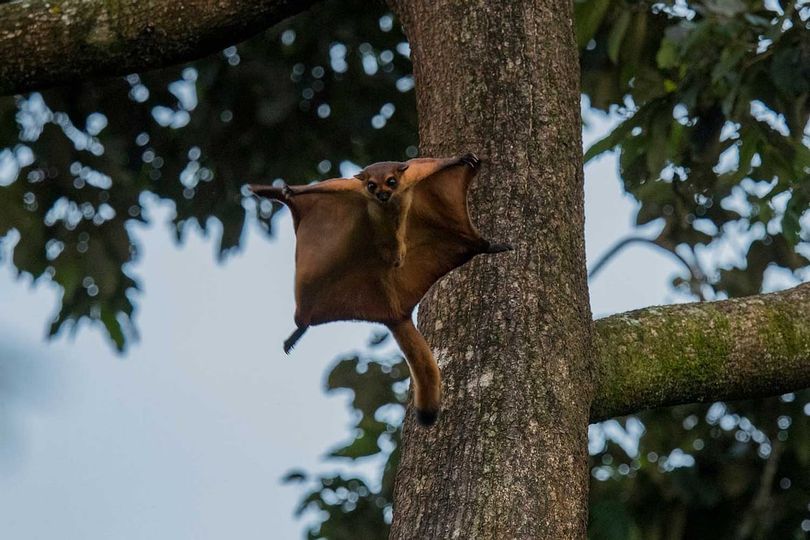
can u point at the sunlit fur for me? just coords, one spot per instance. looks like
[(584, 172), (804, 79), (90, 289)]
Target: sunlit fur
[(369, 247)]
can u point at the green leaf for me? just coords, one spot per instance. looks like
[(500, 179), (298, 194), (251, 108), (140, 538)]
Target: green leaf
[(617, 36), (609, 520), (295, 475), (726, 8), (113, 327), (668, 55), (747, 149), (728, 66), (588, 17), (657, 142), (612, 139), (791, 220), (788, 65), (363, 446), (378, 338)]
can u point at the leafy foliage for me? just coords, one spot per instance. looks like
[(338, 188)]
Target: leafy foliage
[(705, 150), (291, 104), (349, 507), (726, 470), (714, 97), (729, 470)]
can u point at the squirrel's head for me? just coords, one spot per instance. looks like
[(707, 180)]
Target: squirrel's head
[(381, 180)]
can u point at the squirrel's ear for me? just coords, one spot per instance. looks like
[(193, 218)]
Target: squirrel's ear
[(402, 167), (361, 176)]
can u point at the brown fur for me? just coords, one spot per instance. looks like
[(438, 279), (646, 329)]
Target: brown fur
[(369, 247)]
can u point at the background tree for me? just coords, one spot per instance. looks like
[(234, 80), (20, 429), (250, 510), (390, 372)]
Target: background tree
[(713, 146)]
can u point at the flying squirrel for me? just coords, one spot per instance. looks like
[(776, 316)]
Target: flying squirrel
[(369, 247)]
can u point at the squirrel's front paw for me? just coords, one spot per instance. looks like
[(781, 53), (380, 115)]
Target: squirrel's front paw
[(471, 160)]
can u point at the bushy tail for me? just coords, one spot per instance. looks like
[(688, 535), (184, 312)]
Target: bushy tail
[(425, 377)]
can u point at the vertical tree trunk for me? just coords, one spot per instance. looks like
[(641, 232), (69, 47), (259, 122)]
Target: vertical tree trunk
[(511, 332)]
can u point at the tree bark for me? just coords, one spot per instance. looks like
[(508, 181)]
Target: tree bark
[(47, 43), (511, 332), (734, 349)]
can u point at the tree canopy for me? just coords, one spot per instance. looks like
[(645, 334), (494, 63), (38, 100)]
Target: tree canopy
[(291, 104), (713, 96), (713, 144)]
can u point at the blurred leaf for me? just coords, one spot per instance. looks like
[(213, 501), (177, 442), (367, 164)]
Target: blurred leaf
[(617, 36), (610, 141), (588, 17), (294, 476)]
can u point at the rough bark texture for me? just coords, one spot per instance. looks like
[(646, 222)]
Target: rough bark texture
[(734, 349), (55, 42), (511, 332)]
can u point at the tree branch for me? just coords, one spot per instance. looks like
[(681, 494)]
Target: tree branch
[(732, 349), (47, 43), (613, 251), (696, 275)]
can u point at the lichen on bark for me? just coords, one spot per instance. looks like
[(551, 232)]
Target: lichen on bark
[(44, 44), (731, 349), (512, 332)]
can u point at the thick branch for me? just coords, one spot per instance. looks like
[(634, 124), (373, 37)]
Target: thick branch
[(733, 349), (46, 43)]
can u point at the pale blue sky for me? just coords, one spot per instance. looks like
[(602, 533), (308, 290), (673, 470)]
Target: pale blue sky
[(188, 435)]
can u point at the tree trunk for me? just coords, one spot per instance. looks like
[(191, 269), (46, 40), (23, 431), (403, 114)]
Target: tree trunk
[(512, 332)]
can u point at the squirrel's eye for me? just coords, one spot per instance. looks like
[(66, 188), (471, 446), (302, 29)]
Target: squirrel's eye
[(391, 182), (372, 187)]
